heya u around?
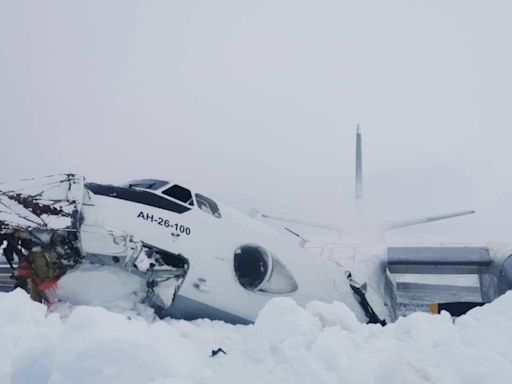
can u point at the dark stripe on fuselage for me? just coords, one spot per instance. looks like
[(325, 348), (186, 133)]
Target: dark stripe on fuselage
[(188, 309), (137, 196)]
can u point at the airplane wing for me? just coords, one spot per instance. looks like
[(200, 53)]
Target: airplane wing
[(450, 278)]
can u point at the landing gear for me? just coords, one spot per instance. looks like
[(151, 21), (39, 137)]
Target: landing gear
[(360, 293)]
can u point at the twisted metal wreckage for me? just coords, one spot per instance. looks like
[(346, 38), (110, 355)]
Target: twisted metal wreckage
[(42, 224)]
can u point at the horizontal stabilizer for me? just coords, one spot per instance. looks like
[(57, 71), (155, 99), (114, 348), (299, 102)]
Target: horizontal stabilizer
[(302, 240), (330, 227), (429, 219)]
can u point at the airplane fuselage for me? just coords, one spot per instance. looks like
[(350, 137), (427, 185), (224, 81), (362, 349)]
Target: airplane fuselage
[(211, 287)]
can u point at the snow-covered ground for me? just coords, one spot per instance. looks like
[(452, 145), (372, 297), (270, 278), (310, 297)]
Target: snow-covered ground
[(322, 343)]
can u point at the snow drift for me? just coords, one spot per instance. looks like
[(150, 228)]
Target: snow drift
[(323, 343)]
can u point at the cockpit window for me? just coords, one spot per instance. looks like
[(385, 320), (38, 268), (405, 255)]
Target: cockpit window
[(258, 270), (150, 184), (207, 205), (179, 193)]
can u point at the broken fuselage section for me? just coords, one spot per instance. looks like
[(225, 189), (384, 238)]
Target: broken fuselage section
[(58, 216)]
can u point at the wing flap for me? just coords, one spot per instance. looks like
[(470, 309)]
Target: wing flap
[(438, 260)]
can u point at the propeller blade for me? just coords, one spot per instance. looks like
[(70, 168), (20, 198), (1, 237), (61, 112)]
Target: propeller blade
[(455, 309)]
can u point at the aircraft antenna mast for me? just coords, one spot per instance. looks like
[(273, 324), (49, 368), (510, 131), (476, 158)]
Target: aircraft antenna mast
[(359, 165)]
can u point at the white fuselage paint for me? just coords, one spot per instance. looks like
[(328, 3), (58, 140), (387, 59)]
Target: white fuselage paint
[(210, 249)]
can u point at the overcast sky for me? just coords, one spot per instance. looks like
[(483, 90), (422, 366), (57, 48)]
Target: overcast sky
[(256, 102)]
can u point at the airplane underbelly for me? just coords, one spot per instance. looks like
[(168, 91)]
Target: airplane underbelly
[(187, 308)]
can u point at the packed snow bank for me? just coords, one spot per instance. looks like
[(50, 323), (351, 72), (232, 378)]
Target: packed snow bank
[(104, 286), (323, 343)]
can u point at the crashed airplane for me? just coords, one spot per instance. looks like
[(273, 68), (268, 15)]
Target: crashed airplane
[(201, 259), (198, 258)]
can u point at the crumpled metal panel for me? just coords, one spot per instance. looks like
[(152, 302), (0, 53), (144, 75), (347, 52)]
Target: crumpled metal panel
[(51, 202)]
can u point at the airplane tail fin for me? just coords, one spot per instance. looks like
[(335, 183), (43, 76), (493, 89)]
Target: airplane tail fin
[(359, 165), (359, 197), (398, 224)]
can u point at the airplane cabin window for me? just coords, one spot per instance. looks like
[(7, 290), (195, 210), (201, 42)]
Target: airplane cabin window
[(207, 205), (179, 193), (146, 184), (258, 270)]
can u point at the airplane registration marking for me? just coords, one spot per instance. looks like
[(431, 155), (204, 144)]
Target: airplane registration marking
[(182, 229)]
